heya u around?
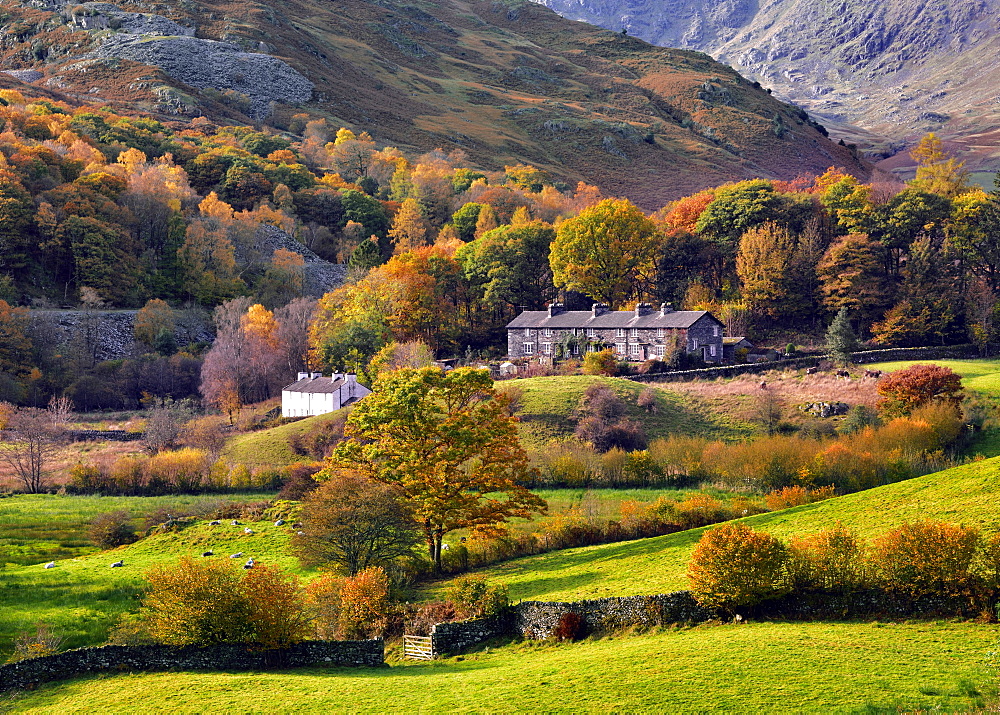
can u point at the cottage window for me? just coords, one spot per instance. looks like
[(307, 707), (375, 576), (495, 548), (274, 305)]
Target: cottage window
[(546, 348), (694, 343), (715, 331), (635, 332), (527, 332), (635, 350), (548, 332), (591, 332), (659, 350), (620, 348), (528, 348), (660, 332), (621, 332), (711, 350), (575, 349)]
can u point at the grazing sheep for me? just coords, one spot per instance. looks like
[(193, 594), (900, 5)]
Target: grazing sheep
[(279, 522), (215, 523), (237, 555), (300, 533), (118, 564), (50, 565), (236, 523), (249, 564), (297, 525), (874, 374), (844, 374), (812, 370), (248, 530), (763, 385), (209, 553)]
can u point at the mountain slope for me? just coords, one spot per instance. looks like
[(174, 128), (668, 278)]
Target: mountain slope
[(506, 83), (897, 69)]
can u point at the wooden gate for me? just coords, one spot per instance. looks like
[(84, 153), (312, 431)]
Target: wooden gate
[(418, 647)]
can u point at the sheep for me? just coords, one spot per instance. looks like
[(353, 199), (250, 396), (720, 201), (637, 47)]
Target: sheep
[(209, 553), (118, 564), (248, 530), (215, 523), (300, 533), (874, 374), (844, 374), (763, 385), (249, 564), (50, 565), (237, 555), (236, 523), (279, 522), (812, 370)]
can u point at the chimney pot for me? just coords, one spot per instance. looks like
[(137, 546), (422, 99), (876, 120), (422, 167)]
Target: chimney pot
[(555, 309), (315, 375), (303, 375), (666, 308), (598, 309), (642, 309)]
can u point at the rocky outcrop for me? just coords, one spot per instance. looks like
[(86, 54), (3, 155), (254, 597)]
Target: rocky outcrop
[(210, 64)]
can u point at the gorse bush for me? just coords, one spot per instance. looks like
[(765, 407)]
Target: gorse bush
[(832, 560), (734, 565)]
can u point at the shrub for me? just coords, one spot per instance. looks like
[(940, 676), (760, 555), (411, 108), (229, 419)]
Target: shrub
[(351, 607), (601, 362), (475, 597), (35, 645), (569, 628), (926, 557), (647, 399), (734, 565), (832, 560), (700, 510), (112, 529), (429, 615), (207, 602)]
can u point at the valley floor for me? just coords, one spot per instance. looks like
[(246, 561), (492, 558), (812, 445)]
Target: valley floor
[(761, 667)]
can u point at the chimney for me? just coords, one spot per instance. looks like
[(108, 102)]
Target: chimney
[(598, 309), (315, 375), (666, 308), (303, 376), (642, 309), (555, 309)]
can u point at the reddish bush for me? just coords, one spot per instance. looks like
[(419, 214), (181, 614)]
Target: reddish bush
[(905, 390), (570, 627), (832, 560)]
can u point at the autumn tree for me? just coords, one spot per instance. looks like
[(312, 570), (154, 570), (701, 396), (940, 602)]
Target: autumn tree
[(208, 256), (937, 170), (905, 390), (927, 557), (284, 278), (608, 251), (851, 275), (763, 263), (448, 441), (399, 355), (354, 523), (33, 438), (15, 340), (409, 227), (155, 324)]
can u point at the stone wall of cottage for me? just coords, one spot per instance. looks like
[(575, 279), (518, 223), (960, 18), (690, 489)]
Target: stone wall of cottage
[(612, 337)]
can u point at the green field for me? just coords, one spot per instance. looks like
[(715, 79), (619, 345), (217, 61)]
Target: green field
[(760, 667), (270, 447), (968, 494)]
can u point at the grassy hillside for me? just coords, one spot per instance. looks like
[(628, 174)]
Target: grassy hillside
[(82, 597), (967, 494), (769, 667), (272, 447)]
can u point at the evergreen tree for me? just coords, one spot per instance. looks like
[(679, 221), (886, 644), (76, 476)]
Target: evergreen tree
[(840, 338)]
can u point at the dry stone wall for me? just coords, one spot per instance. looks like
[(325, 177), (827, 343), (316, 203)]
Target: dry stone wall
[(152, 658)]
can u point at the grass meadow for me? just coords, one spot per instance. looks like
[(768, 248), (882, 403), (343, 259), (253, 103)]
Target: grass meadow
[(762, 667)]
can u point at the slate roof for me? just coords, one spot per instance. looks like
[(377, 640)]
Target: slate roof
[(316, 385), (736, 341), (611, 319)]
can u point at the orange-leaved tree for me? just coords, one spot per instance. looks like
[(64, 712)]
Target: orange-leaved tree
[(448, 440), (905, 390), (734, 565)]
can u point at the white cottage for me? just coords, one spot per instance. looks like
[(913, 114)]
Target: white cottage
[(313, 394)]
